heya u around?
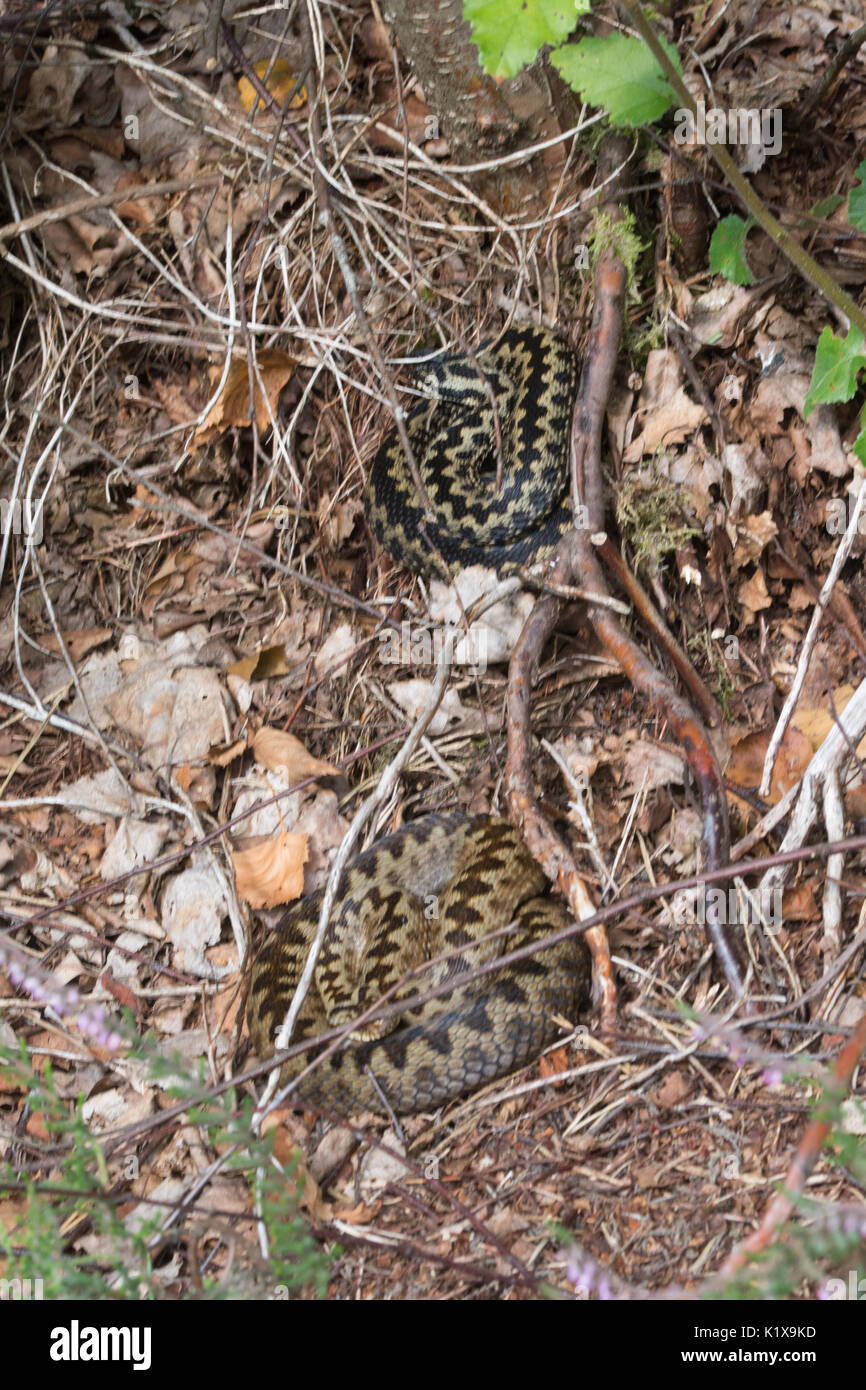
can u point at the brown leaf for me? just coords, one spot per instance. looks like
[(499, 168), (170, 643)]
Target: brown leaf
[(79, 641), (222, 756), (553, 1063), (753, 593), (800, 905), (284, 754), (747, 761), (275, 367), (361, 1215), (262, 665), (272, 872), (671, 1090)]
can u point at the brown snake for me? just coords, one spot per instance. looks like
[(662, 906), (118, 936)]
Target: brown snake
[(444, 882), (436, 886)]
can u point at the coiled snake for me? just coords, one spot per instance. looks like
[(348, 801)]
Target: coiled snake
[(444, 882), (531, 374), (436, 886)]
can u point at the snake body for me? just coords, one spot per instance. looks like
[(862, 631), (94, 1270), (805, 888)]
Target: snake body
[(444, 882), (531, 375), (436, 886)]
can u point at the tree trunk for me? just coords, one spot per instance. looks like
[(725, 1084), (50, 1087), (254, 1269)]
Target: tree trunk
[(473, 109)]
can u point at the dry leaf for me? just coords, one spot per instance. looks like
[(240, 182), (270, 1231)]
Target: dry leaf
[(279, 81), (648, 764), (672, 1089), (334, 650), (227, 753), (275, 367), (754, 534), (817, 723), (800, 904), (747, 761), (361, 1215), (272, 872), (262, 665), (284, 754), (79, 641), (553, 1063), (753, 594)]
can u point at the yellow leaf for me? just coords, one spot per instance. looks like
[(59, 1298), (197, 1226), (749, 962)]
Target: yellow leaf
[(817, 723), (280, 82)]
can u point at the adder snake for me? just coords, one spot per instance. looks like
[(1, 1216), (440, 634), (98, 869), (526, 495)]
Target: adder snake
[(531, 374), (435, 887), (443, 882)]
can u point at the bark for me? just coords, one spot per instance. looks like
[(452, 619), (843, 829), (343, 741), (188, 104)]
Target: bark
[(473, 110)]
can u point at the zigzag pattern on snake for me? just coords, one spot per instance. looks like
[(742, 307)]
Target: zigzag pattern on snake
[(531, 374), (436, 886), (476, 871)]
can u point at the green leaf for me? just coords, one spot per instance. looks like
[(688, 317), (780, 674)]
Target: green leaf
[(857, 199), (728, 250), (837, 362), (827, 206), (859, 446), (620, 74), (508, 35)]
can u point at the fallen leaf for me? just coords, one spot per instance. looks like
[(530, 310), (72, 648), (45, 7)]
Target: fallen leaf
[(284, 754), (361, 1215), (228, 753), (232, 408), (279, 81), (551, 1064), (817, 723), (671, 1090), (262, 665), (747, 761), (753, 595), (648, 764), (271, 873), (78, 641)]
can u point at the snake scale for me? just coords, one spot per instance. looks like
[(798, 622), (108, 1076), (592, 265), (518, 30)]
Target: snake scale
[(445, 881)]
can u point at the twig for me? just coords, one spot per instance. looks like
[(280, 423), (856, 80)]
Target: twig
[(835, 749), (326, 220), (79, 206), (842, 553), (795, 253), (849, 48)]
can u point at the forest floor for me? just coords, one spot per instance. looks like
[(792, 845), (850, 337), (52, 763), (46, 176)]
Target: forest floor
[(192, 396)]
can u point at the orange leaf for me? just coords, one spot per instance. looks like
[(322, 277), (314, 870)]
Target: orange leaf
[(232, 407), (280, 82), (553, 1063), (285, 754), (272, 872), (747, 761)]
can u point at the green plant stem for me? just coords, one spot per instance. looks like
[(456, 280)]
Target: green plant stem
[(765, 219)]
